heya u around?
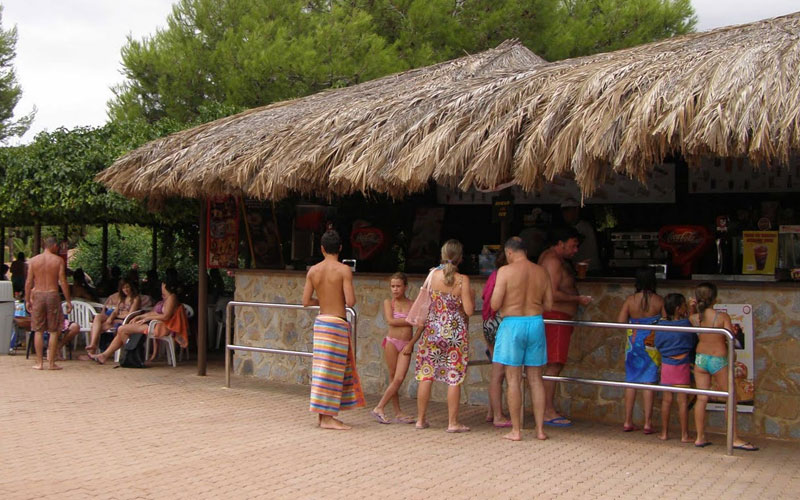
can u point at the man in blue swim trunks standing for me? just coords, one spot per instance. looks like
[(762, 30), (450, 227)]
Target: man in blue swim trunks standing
[(521, 294)]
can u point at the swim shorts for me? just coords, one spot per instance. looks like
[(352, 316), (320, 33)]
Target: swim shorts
[(558, 337), (46, 315), (521, 342), (677, 375)]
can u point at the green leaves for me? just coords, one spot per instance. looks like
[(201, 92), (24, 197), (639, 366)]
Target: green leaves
[(10, 91)]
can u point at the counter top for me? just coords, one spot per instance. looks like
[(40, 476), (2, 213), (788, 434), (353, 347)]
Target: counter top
[(721, 280)]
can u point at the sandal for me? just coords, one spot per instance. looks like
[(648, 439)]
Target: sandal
[(380, 417)]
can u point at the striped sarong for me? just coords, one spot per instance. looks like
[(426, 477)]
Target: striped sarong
[(334, 381)]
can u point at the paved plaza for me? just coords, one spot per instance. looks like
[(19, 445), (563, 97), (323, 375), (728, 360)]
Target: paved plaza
[(93, 431)]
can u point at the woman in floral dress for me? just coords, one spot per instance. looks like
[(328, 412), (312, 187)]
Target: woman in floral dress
[(444, 352)]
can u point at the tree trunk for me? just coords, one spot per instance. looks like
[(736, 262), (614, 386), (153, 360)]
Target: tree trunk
[(37, 240), (104, 252)]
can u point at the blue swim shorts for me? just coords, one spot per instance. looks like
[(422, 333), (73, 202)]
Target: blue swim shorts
[(521, 342)]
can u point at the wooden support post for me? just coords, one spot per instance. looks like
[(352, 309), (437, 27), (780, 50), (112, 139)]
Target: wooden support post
[(154, 264), (104, 250), (37, 240), (3, 245), (202, 292)]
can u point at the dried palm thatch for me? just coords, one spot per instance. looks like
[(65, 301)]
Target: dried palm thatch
[(500, 116), (238, 154)]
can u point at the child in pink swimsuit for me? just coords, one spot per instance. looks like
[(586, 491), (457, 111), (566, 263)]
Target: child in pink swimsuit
[(395, 311)]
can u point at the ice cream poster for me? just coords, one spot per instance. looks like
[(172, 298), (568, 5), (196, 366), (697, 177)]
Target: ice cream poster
[(742, 321), (223, 233), (759, 252)]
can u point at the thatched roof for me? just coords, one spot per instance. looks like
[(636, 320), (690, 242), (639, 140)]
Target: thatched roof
[(245, 153), (500, 116)]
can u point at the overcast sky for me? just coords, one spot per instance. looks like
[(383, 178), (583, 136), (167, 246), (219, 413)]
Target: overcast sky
[(68, 51)]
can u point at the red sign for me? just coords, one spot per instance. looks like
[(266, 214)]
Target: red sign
[(685, 243), (366, 242)]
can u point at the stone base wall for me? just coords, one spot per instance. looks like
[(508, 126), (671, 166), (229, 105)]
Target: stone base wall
[(594, 353)]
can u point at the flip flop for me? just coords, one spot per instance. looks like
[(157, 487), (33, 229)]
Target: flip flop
[(558, 422), (458, 430), (381, 419), (703, 445), (502, 425), (629, 428), (96, 358), (648, 430), (424, 425), (405, 420), (745, 447)]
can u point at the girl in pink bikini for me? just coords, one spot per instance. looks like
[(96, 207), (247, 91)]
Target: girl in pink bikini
[(395, 311)]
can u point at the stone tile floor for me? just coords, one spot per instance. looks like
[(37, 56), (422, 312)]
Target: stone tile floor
[(93, 431)]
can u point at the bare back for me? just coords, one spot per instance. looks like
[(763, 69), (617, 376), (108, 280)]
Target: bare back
[(333, 283), (712, 343), (46, 270), (636, 308), (562, 281), (522, 289)]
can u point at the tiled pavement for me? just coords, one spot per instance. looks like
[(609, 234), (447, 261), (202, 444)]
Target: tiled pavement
[(94, 431)]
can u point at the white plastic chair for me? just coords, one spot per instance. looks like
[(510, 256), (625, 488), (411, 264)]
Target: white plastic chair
[(83, 314), (168, 340), (125, 321)]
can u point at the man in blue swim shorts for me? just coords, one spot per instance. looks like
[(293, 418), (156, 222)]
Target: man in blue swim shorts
[(522, 292)]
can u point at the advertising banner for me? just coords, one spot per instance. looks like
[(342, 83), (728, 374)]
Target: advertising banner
[(742, 320), (223, 233), (759, 252)]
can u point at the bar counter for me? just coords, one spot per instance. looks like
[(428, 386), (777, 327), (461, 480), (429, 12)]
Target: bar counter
[(594, 353)]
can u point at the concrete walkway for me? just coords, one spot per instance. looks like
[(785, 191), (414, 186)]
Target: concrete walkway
[(93, 431)]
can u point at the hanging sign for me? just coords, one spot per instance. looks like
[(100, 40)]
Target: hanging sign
[(742, 321), (222, 235)]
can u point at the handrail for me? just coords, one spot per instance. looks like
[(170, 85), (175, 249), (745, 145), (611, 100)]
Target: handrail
[(729, 395), (229, 348)]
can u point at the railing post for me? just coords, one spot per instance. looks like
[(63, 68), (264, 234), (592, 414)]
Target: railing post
[(730, 404)]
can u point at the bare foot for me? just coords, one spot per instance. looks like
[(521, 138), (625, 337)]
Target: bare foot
[(333, 424), (458, 429), (97, 358), (541, 436), (686, 439), (513, 436), (663, 436), (55, 367), (37, 367)]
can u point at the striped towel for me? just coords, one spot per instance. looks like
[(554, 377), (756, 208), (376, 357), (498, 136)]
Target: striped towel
[(334, 381)]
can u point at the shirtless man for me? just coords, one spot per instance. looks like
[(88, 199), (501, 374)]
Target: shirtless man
[(522, 293), (45, 272), (565, 305), (334, 382)]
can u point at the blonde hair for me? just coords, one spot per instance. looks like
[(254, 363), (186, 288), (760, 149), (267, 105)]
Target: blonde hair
[(706, 294), (451, 257), (399, 276)]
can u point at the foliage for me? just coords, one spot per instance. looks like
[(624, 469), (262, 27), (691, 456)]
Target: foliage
[(10, 91), (229, 56), (244, 54), (51, 180), (131, 244)]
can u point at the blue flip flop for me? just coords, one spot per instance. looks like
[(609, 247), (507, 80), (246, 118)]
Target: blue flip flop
[(558, 422)]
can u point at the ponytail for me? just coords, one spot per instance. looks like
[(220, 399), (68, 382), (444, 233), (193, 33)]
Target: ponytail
[(451, 257), (706, 294)]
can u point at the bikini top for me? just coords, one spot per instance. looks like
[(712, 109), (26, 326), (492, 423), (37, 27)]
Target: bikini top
[(398, 314)]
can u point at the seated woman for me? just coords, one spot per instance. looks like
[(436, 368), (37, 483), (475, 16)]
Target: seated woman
[(168, 318), (80, 289), (118, 306)]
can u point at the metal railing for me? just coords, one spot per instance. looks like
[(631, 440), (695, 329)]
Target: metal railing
[(729, 395), (229, 347)]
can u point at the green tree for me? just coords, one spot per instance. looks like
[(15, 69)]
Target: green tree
[(10, 91), (216, 57), (243, 54)]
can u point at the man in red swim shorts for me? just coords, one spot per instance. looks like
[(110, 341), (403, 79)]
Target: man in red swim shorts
[(565, 242)]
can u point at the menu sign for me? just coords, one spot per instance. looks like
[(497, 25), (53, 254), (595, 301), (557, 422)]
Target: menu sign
[(759, 252), (223, 233), (742, 321), (659, 187), (738, 175)]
